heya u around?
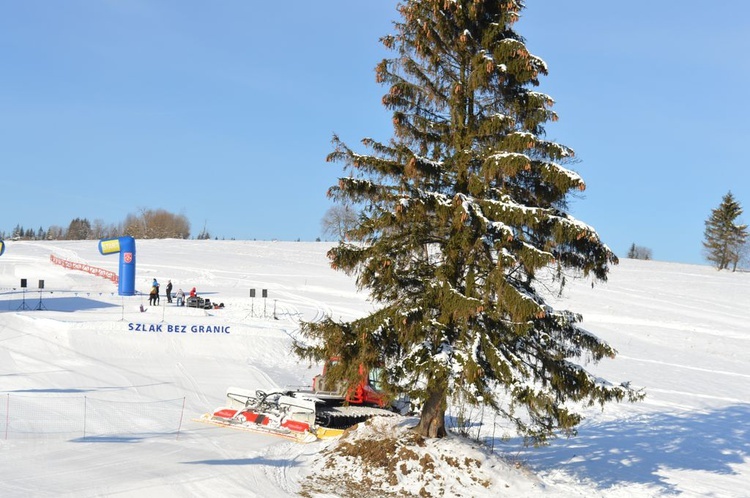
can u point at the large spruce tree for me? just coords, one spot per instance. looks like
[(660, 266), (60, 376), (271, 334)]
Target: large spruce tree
[(724, 238), (461, 210)]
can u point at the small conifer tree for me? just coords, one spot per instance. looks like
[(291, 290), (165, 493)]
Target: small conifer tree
[(724, 238), (639, 252), (461, 210)]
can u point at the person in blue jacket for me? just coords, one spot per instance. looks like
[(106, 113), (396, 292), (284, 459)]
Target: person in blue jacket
[(155, 285)]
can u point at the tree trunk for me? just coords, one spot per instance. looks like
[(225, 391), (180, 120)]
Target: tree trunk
[(432, 420)]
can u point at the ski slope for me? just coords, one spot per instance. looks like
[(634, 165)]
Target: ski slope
[(99, 398)]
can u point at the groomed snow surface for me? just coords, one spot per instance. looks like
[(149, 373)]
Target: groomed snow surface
[(100, 399)]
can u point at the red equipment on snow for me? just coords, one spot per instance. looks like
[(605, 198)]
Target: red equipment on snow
[(302, 415)]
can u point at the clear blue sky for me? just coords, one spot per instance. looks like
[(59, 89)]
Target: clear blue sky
[(224, 111)]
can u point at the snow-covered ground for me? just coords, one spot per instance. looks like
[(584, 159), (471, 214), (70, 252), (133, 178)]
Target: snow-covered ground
[(99, 399)]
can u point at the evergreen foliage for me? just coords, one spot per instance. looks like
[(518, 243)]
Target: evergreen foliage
[(462, 209), (79, 229), (724, 238), (639, 252), (204, 235)]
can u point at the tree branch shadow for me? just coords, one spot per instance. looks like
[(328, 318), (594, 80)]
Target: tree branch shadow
[(636, 450)]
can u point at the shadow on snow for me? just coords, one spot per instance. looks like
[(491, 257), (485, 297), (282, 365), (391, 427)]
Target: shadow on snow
[(247, 461), (122, 438), (66, 303), (636, 450)]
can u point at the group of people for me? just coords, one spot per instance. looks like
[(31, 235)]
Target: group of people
[(181, 296), (153, 296)]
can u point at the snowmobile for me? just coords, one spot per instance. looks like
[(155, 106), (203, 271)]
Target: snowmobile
[(303, 415)]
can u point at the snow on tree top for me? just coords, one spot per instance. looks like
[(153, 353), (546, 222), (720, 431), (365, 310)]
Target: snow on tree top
[(562, 150), (580, 226), (432, 162), (574, 177), (504, 154), (540, 62), (541, 96), (526, 134)]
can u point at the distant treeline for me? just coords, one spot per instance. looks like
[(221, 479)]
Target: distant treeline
[(148, 224)]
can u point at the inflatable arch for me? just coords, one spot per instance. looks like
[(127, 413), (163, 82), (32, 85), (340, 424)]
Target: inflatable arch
[(126, 247)]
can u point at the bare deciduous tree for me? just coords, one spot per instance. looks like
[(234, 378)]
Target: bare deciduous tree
[(337, 220), (157, 224)]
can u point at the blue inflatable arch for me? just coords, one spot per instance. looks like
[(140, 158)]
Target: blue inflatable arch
[(126, 247)]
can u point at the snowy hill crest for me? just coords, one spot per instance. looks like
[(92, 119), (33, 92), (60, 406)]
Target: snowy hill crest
[(680, 331)]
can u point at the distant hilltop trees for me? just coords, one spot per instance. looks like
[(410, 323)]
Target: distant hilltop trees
[(725, 238), (147, 224), (640, 252)]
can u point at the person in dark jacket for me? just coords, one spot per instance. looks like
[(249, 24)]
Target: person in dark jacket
[(169, 291)]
